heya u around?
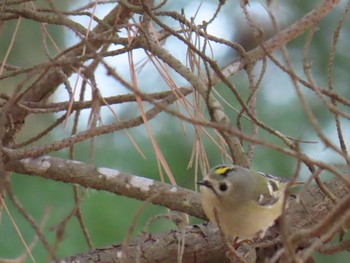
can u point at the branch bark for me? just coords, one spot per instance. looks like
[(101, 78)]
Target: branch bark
[(114, 181), (202, 243), (50, 79)]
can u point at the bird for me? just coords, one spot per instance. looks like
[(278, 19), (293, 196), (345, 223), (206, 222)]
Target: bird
[(242, 202)]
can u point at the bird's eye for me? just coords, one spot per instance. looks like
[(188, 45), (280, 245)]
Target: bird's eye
[(223, 187)]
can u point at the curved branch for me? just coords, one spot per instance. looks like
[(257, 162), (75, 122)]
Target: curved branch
[(50, 79), (114, 181)]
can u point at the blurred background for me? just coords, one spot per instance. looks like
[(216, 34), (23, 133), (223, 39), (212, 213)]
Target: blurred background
[(107, 216)]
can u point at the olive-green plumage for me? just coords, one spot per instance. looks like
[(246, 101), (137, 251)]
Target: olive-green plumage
[(245, 202)]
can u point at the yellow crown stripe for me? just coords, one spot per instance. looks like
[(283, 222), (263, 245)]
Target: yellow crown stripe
[(223, 169)]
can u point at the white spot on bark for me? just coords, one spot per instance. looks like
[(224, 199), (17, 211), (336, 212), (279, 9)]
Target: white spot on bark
[(74, 162), (173, 189), (45, 165), (107, 173), (26, 161), (38, 165), (141, 183)]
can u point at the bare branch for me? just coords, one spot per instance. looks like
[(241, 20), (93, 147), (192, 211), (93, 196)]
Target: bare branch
[(204, 241), (114, 181)]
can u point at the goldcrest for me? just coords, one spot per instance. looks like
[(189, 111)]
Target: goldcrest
[(242, 202)]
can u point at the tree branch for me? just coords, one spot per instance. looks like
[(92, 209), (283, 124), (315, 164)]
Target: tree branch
[(203, 242), (114, 181), (310, 20)]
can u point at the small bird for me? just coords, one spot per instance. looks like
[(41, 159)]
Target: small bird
[(244, 203)]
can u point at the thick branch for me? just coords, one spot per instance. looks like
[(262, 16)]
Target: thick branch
[(114, 181), (47, 83), (203, 242), (148, 248)]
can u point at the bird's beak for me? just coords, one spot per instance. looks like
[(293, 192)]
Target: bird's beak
[(208, 185), (205, 183)]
